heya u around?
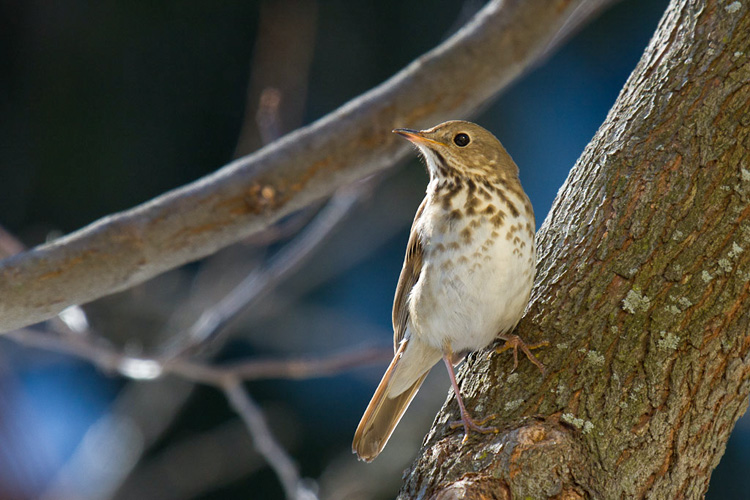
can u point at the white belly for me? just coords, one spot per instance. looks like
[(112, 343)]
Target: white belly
[(472, 287)]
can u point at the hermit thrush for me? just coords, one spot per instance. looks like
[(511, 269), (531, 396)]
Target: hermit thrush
[(467, 276)]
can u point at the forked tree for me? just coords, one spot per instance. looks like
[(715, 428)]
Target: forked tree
[(643, 282)]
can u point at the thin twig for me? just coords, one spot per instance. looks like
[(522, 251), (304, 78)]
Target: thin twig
[(290, 369), (101, 354), (276, 457), (228, 378), (268, 117), (285, 262), (9, 244), (206, 462), (277, 93)]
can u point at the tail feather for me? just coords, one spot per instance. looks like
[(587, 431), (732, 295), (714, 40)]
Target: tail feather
[(384, 412)]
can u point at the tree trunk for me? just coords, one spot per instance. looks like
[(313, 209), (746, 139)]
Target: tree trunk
[(642, 291)]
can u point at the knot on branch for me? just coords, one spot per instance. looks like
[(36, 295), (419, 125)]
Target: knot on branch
[(481, 487), (537, 460)]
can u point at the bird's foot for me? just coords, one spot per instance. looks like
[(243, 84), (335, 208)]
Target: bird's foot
[(515, 342), (469, 424)]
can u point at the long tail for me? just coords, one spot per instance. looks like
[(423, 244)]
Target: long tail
[(384, 411)]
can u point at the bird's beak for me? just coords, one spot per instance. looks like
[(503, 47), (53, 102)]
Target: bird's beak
[(415, 136)]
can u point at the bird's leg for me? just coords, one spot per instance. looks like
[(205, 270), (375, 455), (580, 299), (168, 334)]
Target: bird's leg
[(468, 423), (515, 342)]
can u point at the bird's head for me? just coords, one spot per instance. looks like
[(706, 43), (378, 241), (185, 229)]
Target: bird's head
[(460, 148)]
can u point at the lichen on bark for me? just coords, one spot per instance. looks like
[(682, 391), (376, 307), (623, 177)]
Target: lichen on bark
[(643, 291)]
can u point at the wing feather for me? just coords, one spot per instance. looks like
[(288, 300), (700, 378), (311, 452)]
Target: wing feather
[(410, 272)]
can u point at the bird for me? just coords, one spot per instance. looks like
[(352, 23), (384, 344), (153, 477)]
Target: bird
[(467, 275)]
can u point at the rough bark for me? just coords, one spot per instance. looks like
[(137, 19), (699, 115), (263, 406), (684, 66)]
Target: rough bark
[(643, 290), (248, 195)]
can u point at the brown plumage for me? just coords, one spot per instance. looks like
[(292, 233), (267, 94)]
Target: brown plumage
[(463, 283)]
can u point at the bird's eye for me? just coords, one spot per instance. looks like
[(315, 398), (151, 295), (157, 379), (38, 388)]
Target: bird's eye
[(461, 140)]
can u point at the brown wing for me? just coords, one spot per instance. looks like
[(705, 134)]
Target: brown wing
[(409, 275)]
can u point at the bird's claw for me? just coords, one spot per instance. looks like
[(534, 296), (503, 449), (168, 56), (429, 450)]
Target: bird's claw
[(469, 424), (515, 342)]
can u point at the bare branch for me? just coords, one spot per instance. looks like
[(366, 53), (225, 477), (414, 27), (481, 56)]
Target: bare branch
[(104, 356), (292, 369), (206, 461), (263, 440), (276, 93), (72, 319), (9, 244), (288, 260), (227, 378), (119, 251)]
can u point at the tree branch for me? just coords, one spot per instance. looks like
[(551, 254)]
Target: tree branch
[(101, 354), (227, 378), (261, 281), (643, 290), (263, 441), (125, 249)]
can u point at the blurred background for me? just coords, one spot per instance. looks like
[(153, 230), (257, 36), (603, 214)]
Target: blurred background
[(107, 104)]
